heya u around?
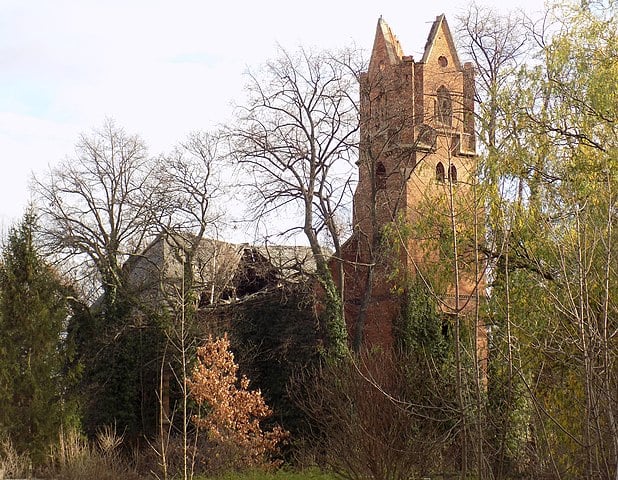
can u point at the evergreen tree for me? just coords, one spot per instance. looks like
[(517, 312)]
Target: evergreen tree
[(33, 309)]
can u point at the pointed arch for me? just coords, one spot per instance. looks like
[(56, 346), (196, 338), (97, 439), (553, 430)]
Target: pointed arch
[(440, 173), (452, 174), (444, 106), (380, 175)]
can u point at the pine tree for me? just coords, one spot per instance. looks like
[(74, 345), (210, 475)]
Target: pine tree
[(33, 309)]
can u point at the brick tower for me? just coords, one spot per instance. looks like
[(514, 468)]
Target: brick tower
[(416, 161)]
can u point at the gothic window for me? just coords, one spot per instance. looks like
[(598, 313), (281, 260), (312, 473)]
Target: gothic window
[(444, 106), (452, 174), (440, 173), (380, 176)]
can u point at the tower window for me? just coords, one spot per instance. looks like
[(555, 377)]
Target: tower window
[(442, 61), (380, 176), (440, 173), (426, 136), (444, 107), (452, 174)]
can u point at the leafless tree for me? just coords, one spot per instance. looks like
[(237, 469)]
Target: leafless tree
[(190, 182), (103, 206), (497, 45), (296, 139), (188, 185), (97, 205)]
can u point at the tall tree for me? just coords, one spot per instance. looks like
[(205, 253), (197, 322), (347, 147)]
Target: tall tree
[(98, 208), (552, 222), (498, 45), (189, 183), (33, 311), (573, 109), (296, 139)]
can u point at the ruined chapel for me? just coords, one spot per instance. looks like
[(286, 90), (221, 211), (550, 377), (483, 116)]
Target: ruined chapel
[(416, 166)]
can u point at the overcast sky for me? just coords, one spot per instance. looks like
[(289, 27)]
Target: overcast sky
[(160, 68)]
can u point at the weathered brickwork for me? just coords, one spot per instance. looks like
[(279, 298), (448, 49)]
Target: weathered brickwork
[(417, 152)]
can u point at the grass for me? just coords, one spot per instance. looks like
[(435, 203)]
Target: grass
[(278, 475), (13, 464), (74, 458)]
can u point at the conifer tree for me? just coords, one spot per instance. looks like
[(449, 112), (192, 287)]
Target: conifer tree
[(33, 309)]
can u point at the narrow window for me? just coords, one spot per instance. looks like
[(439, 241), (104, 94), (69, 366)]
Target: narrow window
[(440, 174), (452, 174), (380, 176), (444, 107)]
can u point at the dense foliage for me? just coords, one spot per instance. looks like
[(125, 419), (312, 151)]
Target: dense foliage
[(234, 414), (33, 311), (540, 401)]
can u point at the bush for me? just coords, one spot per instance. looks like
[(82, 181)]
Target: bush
[(234, 413), (12, 463), (379, 415), (75, 458)]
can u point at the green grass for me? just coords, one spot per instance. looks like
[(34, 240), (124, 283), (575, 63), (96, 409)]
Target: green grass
[(278, 475)]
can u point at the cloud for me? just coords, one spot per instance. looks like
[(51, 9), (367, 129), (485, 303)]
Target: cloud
[(160, 68)]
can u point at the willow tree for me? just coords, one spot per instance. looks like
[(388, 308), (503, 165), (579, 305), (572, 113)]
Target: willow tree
[(554, 219)]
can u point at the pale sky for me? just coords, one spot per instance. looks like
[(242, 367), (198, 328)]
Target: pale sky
[(161, 69)]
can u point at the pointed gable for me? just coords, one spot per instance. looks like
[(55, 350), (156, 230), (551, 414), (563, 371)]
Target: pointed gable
[(386, 47), (440, 43)]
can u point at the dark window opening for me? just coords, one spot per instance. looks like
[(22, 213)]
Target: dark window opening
[(440, 173), (444, 110), (380, 175), (446, 333), (452, 174)]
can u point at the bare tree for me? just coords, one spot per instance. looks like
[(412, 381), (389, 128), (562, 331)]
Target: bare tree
[(296, 139), (188, 186), (100, 209), (189, 181), (497, 45), (98, 204)]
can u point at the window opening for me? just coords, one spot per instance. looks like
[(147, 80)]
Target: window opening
[(444, 110), (440, 174), (380, 175), (452, 174)]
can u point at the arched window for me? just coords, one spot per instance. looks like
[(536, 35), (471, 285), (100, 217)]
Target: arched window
[(444, 107), (380, 175), (452, 174), (440, 173)]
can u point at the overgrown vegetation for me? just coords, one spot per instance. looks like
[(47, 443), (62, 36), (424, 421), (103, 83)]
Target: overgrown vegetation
[(107, 371), (233, 413)]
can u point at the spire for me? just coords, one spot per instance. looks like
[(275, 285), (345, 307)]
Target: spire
[(386, 47)]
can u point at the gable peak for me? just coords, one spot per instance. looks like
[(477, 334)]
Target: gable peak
[(440, 30), (386, 46)]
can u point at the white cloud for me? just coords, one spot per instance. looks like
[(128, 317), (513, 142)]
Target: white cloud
[(160, 68)]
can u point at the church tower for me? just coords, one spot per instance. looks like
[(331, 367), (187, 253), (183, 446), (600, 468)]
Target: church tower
[(416, 166)]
